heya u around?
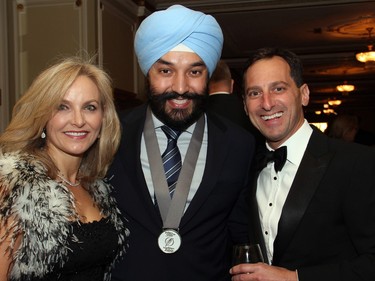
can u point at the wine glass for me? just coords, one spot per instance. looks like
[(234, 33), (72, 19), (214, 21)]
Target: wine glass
[(247, 253)]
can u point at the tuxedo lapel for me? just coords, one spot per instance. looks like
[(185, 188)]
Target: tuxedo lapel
[(255, 229), (306, 181)]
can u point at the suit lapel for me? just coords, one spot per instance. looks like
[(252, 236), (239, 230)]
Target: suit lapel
[(216, 154), (133, 127), (306, 181)]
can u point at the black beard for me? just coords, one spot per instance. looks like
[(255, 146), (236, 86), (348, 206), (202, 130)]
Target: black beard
[(178, 119)]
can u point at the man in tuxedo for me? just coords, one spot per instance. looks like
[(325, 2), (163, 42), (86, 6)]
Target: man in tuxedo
[(314, 216), (184, 219)]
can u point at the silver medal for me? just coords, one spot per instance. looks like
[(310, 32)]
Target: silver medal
[(169, 241)]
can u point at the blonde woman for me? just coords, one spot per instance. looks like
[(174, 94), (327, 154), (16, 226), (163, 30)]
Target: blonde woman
[(57, 218)]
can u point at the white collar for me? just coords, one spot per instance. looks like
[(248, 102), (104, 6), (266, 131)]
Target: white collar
[(297, 143)]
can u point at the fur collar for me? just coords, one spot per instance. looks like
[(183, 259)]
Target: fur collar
[(41, 210)]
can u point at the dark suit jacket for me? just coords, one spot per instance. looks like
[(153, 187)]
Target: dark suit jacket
[(327, 226), (229, 106), (207, 225)]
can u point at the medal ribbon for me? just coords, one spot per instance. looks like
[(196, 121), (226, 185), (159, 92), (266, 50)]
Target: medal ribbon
[(171, 209)]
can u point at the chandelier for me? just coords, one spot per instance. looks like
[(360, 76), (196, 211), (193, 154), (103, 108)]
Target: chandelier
[(369, 56), (334, 102), (345, 88)]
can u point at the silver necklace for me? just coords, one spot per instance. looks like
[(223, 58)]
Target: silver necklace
[(68, 182)]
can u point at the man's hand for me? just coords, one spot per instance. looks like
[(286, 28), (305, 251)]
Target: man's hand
[(261, 272)]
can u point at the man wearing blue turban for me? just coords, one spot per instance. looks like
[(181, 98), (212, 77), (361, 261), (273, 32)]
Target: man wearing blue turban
[(181, 173), (164, 30)]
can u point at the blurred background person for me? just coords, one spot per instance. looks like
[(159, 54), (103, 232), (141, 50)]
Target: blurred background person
[(343, 126), (223, 101), (57, 219)]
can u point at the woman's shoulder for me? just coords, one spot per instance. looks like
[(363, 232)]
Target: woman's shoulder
[(24, 182), (20, 171), (17, 162), (42, 209)]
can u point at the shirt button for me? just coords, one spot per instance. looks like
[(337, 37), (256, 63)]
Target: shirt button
[(275, 178), (270, 204), (266, 232)]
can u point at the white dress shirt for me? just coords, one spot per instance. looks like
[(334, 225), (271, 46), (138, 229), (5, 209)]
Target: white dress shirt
[(273, 187), (182, 142)]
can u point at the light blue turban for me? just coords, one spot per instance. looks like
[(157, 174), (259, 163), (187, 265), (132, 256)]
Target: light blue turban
[(163, 30)]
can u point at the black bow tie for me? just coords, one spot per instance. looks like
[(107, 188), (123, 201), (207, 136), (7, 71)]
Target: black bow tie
[(278, 157)]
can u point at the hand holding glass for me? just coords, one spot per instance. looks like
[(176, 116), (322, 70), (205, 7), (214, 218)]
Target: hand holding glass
[(247, 253)]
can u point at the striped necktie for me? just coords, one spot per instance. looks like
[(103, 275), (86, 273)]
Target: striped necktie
[(171, 158)]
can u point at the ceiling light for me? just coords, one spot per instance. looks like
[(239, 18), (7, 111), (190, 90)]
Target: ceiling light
[(329, 111), (346, 88), (368, 56), (334, 102)]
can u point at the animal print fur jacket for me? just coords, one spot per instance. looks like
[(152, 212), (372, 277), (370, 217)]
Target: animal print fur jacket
[(41, 211)]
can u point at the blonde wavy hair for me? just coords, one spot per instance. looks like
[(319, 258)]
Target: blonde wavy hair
[(40, 102)]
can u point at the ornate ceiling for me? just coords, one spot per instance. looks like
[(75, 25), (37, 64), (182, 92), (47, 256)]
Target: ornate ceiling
[(326, 34)]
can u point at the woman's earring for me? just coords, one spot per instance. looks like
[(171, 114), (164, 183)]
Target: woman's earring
[(43, 135)]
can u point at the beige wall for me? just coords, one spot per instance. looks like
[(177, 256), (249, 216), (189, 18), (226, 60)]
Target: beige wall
[(118, 53), (40, 32), (47, 31), (4, 78)]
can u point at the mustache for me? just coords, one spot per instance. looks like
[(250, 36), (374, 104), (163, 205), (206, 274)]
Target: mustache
[(174, 95)]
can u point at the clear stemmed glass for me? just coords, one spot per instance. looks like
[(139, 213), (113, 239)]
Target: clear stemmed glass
[(247, 253)]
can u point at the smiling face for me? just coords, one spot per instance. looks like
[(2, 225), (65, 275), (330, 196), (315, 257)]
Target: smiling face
[(76, 124), (273, 101), (178, 83)]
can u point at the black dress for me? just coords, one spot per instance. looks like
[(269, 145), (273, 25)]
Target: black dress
[(91, 255)]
